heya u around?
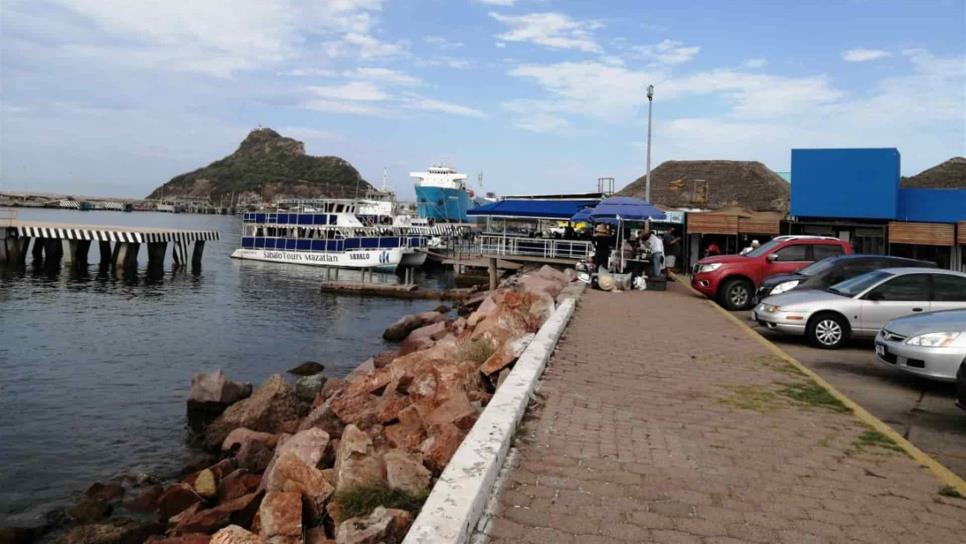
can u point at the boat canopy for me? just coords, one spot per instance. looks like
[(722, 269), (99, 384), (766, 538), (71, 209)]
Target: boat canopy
[(533, 209)]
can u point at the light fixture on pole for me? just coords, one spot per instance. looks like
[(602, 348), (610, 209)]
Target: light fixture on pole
[(647, 178)]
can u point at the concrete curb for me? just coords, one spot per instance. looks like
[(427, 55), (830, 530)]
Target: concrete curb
[(459, 497), (946, 476)]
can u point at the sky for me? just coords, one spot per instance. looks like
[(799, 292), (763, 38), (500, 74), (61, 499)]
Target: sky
[(114, 97)]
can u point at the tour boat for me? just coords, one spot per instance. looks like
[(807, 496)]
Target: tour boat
[(327, 233)]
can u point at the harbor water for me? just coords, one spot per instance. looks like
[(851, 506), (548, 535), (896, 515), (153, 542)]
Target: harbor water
[(94, 370)]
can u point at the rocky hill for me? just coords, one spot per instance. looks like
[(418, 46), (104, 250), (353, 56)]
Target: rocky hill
[(948, 175), (714, 185), (267, 166)]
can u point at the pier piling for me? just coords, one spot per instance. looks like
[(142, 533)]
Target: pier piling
[(199, 249), (106, 254), (53, 251), (126, 255), (38, 249), (156, 251)]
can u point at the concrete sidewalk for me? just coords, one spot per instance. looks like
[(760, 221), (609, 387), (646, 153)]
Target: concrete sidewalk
[(659, 420)]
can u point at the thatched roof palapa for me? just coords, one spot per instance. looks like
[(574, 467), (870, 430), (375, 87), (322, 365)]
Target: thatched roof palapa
[(714, 185)]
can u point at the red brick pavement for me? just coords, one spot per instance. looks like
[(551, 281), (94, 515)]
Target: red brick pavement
[(658, 420)]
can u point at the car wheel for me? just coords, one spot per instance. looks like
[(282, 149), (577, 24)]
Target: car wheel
[(827, 331), (736, 294)]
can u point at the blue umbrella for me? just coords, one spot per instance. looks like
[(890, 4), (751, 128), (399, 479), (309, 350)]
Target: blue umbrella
[(625, 208)]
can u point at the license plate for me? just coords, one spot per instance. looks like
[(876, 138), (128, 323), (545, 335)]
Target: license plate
[(880, 350)]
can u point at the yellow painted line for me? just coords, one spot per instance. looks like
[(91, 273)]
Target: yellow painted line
[(945, 475)]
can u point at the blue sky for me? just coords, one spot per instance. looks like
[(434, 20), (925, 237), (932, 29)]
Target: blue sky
[(113, 97)]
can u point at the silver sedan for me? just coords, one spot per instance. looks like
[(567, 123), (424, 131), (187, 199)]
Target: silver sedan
[(932, 345), (860, 306)]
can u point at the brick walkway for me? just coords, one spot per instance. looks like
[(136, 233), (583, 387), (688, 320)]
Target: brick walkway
[(658, 420)]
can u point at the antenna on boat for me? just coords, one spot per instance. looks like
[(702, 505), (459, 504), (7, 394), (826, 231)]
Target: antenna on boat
[(385, 176)]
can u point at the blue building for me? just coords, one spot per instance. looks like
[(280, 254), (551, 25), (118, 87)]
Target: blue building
[(857, 195)]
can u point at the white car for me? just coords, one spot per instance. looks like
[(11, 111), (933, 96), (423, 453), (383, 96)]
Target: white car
[(860, 306), (932, 345)]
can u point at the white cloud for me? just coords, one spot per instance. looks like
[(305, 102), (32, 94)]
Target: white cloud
[(216, 37), (346, 107), (309, 72), (442, 42), (354, 91), (754, 95), (755, 63), (505, 3), (429, 104), (454, 63), (863, 55), (553, 30), (668, 52), (393, 77)]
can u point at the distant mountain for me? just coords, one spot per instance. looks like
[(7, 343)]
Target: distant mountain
[(714, 185), (948, 175), (267, 166)]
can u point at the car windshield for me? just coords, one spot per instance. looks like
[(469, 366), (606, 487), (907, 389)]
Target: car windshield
[(763, 250), (819, 266), (854, 286)]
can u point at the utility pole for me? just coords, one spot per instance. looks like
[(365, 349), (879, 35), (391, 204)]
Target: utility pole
[(647, 178)]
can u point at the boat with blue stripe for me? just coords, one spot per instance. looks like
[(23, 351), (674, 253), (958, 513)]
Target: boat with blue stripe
[(327, 233)]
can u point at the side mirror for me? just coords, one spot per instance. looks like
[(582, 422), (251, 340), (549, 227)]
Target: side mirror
[(875, 295), (772, 257)]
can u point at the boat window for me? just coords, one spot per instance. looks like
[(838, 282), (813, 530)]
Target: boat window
[(259, 232)]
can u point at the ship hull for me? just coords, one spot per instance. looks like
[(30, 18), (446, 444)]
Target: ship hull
[(384, 260), (443, 204)]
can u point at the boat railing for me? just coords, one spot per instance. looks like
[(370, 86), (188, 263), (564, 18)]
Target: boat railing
[(7, 217), (548, 248)]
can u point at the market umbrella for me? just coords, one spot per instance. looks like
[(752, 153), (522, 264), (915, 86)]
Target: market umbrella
[(617, 209)]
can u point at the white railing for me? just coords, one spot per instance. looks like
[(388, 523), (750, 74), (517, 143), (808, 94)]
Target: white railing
[(547, 248)]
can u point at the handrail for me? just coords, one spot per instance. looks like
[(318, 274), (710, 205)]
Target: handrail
[(548, 248)]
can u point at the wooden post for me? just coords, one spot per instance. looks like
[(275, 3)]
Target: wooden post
[(493, 273)]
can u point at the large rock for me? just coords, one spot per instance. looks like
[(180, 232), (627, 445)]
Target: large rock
[(423, 337), (190, 538), (176, 499), (197, 520), (307, 387), (254, 456), (442, 443), (205, 484), (280, 517), (115, 531), (507, 353), (323, 417), (267, 410), (405, 471), (356, 461), (88, 510), (210, 394), (409, 433), (238, 483), (406, 324), (308, 368), (238, 437), (234, 534), (289, 473), (107, 492), (146, 501), (383, 525)]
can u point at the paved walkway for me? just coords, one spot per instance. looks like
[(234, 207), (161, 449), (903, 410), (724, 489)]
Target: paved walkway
[(658, 420)]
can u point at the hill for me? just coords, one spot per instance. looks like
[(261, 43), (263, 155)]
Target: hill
[(948, 175), (267, 166), (714, 185)]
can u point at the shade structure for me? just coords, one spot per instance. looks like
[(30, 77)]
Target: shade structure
[(620, 208), (532, 209)]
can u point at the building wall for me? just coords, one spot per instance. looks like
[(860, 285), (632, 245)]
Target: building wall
[(853, 183), (932, 205)]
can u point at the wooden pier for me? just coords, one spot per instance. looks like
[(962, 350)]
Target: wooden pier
[(70, 243)]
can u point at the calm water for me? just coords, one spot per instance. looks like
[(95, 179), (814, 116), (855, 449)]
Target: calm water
[(94, 371)]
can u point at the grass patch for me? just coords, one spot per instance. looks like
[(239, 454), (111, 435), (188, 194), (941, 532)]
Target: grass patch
[(779, 365), (812, 394), (950, 491), (875, 439), (748, 397), (361, 500), (477, 350)]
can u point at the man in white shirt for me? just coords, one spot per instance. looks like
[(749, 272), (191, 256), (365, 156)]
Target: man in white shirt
[(656, 246)]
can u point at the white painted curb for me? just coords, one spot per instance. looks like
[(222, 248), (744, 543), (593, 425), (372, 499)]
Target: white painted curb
[(459, 497)]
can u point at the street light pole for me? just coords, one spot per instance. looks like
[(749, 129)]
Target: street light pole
[(647, 179)]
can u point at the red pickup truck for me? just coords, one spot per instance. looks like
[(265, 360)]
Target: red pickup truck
[(733, 279)]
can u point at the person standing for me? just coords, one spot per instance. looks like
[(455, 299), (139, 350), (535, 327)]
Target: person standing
[(672, 249), (602, 246), (656, 246)]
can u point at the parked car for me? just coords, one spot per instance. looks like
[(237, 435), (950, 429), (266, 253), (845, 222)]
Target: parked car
[(732, 279), (862, 305), (831, 270), (932, 345)]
